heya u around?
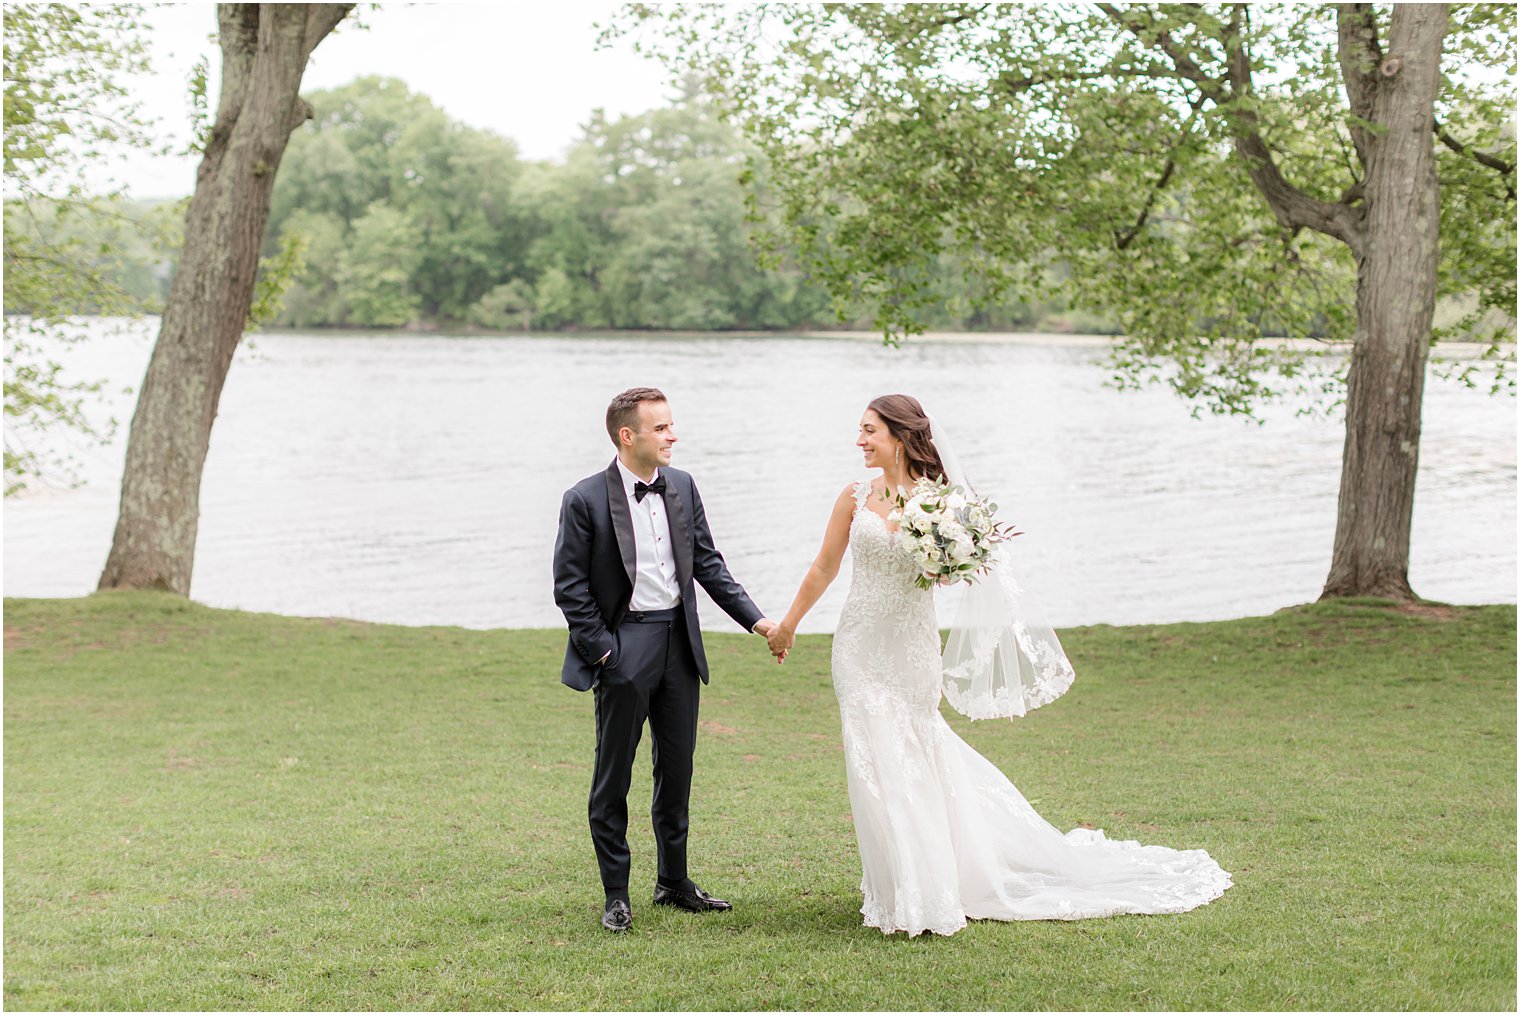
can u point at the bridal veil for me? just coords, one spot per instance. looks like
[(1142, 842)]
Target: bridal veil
[(1002, 658)]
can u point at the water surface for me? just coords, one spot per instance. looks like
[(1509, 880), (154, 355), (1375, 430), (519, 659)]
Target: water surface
[(416, 480)]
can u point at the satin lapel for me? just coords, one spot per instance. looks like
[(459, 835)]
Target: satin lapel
[(680, 530), (622, 521)]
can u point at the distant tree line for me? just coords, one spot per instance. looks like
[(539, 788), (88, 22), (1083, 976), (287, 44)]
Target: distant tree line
[(386, 213)]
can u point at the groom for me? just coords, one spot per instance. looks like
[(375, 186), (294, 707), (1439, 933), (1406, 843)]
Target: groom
[(632, 540)]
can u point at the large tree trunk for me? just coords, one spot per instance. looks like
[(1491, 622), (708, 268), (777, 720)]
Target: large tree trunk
[(265, 48), (1395, 301)]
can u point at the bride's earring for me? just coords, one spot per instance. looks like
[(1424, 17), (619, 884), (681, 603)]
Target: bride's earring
[(898, 456)]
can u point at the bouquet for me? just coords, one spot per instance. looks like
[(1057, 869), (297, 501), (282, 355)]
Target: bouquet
[(950, 533)]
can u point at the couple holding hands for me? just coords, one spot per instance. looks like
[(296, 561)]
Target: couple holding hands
[(943, 835)]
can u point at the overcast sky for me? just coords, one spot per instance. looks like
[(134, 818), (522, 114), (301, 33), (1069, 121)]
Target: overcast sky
[(528, 71)]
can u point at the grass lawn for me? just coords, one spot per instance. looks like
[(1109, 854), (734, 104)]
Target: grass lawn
[(214, 809)]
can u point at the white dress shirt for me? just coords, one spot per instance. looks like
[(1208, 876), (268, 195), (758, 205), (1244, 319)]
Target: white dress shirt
[(655, 585)]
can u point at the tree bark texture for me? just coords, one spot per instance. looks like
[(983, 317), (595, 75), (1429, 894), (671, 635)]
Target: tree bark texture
[(1397, 257), (265, 48)]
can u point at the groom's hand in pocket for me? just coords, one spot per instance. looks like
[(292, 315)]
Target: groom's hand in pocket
[(608, 659)]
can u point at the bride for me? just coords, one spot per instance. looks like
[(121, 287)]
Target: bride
[(944, 836)]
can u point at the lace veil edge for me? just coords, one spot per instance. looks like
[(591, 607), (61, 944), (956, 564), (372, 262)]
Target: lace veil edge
[(1002, 659)]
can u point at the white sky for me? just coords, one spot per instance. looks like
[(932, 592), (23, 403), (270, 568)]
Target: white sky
[(528, 71)]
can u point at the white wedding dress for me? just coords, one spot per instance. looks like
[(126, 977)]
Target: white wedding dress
[(943, 835)]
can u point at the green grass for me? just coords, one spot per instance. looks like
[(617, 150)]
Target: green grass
[(214, 809)]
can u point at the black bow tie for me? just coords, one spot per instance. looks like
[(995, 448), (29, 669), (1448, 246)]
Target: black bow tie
[(640, 488)]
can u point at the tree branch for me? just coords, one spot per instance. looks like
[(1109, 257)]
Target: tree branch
[(1482, 158), (1145, 30), (1127, 237), (238, 35), (321, 19), (956, 19), (1360, 56), (1293, 207), (1021, 84)]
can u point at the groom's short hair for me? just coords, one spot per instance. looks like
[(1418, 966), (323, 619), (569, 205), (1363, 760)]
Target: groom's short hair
[(624, 410)]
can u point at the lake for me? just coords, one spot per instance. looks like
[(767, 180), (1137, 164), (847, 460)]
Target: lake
[(416, 479)]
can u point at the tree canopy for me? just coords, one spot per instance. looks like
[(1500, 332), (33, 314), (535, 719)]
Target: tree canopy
[(66, 251), (410, 217), (1093, 150)]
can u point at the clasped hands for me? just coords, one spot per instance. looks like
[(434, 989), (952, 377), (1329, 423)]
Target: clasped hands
[(777, 637)]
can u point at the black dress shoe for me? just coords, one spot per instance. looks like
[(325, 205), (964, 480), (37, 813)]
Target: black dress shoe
[(693, 901), (617, 917)]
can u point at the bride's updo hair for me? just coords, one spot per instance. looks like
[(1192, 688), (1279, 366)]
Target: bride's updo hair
[(907, 422)]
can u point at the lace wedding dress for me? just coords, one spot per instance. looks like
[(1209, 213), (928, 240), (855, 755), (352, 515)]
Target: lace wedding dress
[(943, 835)]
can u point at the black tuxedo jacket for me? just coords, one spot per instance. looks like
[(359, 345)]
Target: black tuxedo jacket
[(594, 565)]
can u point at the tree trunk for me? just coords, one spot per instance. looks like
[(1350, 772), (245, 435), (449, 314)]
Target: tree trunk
[(1395, 301), (265, 48)]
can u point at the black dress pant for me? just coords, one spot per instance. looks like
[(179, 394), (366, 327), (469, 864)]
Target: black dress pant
[(651, 675)]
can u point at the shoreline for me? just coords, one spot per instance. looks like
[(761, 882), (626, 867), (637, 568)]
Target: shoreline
[(1420, 608), (1444, 350)]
